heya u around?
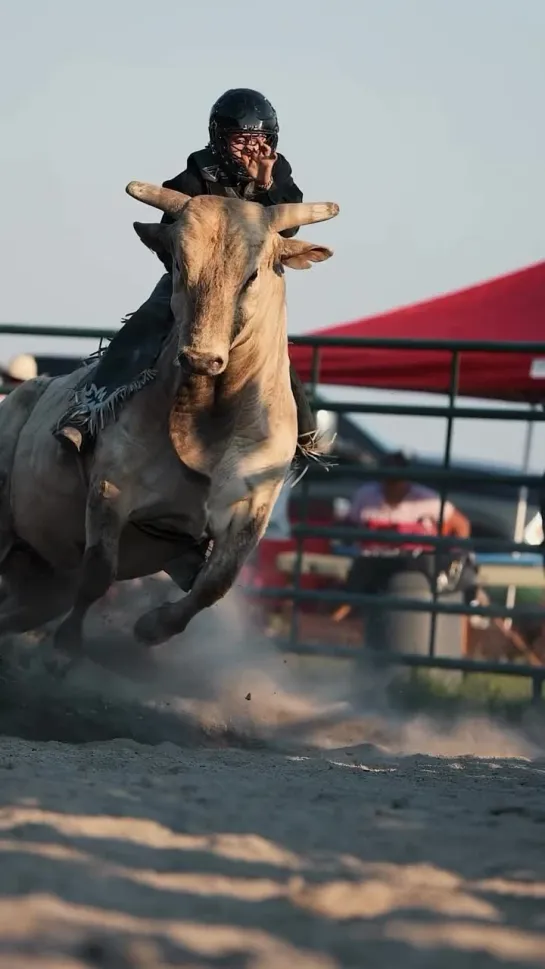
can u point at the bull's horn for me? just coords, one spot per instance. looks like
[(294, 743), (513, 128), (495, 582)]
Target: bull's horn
[(165, 199), (289, 215)]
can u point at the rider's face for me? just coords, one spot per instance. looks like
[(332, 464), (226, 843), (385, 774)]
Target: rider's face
[(246, 144)]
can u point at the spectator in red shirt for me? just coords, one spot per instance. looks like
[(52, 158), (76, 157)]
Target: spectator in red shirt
[(398, 505), (404, 506)]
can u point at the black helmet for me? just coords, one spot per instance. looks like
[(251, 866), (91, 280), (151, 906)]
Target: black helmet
[(240, 110)]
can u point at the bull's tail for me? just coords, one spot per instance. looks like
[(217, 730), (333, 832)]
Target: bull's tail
[(16, 410)]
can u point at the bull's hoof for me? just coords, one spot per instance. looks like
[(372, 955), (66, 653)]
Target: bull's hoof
[(49, 661), (57, 664), (67, 638), (152, 629)]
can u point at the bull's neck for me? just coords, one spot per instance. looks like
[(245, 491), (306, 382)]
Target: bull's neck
[(206, 413), (206, 416), (258, 353)]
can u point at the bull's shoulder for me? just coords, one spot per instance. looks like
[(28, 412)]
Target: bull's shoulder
[(23, 398), (44, 399)]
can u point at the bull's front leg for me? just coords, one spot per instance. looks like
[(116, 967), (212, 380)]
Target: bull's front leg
[(230, 550), (104, 523)]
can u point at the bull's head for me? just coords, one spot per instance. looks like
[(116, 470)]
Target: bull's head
[(227, 258)]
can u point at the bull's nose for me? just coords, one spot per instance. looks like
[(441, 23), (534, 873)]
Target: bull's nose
[(205, 364)]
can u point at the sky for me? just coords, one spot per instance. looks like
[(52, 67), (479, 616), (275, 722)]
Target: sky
[(423, 119)]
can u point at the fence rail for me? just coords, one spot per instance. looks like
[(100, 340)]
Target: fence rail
[(66, 332), (446, 542), (313, 341), (395, 603), (318, 342), (443, 477), (419, 410)]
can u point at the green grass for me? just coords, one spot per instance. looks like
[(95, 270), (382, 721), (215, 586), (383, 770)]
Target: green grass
[(449, 693), (526, 596)]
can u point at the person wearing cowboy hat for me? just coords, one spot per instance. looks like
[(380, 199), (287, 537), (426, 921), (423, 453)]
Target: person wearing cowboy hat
[(19, 369)]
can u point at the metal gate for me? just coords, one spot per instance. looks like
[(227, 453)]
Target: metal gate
[(442, 479)]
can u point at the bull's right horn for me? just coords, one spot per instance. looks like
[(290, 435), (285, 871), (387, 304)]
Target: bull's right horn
[(289, 215), (165, 199)]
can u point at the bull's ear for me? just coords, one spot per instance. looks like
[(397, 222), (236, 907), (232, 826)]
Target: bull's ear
[(155, 236), (300, 255)]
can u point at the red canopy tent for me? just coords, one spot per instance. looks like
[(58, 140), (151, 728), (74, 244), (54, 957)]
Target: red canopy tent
[(508, 308)]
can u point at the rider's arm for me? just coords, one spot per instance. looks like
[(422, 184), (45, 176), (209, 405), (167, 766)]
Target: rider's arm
[(283, 189), (455, 523)]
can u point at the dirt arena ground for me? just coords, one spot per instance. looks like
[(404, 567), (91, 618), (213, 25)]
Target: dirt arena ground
[(219, 806)]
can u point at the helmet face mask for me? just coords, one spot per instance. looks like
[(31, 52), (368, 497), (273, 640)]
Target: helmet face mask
[(242, 112)]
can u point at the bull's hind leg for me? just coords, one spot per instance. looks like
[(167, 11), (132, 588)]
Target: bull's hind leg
[(17, 410), (229, 552), (34, 593), (103, 526)]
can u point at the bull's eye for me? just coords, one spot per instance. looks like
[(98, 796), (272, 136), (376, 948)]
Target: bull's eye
[(251, 279)]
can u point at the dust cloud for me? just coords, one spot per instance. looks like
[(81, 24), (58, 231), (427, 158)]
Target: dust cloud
[(225, 682)]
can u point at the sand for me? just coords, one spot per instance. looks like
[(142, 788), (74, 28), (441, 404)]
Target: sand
[(216, 807)]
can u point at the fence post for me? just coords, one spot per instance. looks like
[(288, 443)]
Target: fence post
[(298, 565), (453, 392)]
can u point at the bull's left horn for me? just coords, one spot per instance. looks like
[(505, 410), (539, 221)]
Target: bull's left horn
[(166, 199), (289, 215)]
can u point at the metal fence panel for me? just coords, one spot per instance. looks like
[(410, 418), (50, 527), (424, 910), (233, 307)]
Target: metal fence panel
[(442, 477)]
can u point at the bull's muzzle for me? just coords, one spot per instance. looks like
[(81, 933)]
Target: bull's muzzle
[(204, 364)]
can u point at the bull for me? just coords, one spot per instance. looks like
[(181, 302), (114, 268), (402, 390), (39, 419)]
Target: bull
[(197, 456)]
